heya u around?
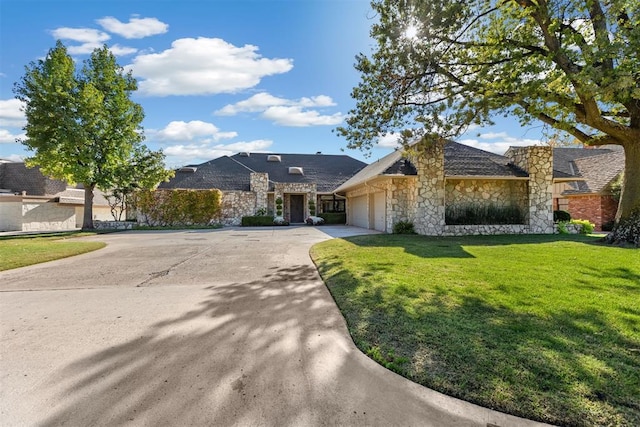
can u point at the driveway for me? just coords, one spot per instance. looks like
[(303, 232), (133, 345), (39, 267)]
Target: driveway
[(216, 327)]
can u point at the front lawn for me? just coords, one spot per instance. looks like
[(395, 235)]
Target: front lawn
[(20, 251), (544, 327)]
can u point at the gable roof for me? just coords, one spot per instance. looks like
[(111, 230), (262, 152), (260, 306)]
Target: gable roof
[(564, 159), (233, 173), (459, 160), (597, 172)]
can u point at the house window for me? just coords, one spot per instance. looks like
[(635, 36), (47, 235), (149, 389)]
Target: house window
[(331, 204)]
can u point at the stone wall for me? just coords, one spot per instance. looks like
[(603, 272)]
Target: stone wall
[(430, 191), (473, 230), (400, 201), (235, 205), (538, 162), (284, 189), (260, 186), (500, 193)]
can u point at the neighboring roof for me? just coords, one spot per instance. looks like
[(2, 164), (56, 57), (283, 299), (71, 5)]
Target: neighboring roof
[(233, 173), (18, 178), (459, 160), (588, 170), (597, 172)]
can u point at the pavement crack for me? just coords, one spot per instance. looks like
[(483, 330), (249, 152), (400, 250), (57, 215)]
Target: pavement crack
[(165, 272)]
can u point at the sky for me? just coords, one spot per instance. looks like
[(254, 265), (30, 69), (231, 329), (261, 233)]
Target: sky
[(217, 77)]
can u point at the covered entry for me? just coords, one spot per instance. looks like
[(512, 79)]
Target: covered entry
[(296, 207)]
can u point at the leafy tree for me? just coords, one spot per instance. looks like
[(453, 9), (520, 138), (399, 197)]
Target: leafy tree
[(83, 127), (446, 64)]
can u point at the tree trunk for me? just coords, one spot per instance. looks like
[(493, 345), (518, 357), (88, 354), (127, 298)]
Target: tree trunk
[(87, 221), (630, 194), (627, 228)]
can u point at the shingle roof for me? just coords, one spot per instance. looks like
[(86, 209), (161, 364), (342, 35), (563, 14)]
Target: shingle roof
[(459, 160), (597, 172), (17, 177), (233, 173), (564, 158), (462, 160)]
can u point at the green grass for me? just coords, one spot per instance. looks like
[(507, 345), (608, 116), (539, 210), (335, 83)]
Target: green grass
[(543, 327), (21, 251)]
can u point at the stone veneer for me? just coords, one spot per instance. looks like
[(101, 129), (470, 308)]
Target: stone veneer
[(43, 215), (284, 189), (500, 193), (260, 186), (430, 191), (235, 205), (538, 162)]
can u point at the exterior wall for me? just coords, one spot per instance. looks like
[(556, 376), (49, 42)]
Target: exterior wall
[(43, 215), (284, 189), (597, 209), (538, 162), (260, 186), (100, 213), (235, 205), (469, 230), (502, 193), (400, 201), (10, 215), (430, 191)]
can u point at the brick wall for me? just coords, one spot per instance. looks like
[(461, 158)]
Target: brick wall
[(597, 209)]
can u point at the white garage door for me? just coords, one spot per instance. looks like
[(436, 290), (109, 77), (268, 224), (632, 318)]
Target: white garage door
[(379, 212), (358, 212)]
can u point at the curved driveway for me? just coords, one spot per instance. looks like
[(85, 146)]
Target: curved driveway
[(217, 327)]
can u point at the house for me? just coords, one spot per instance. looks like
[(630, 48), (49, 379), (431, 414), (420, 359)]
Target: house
[(436, 187), (30, 201), (583, 179), (253, 182)]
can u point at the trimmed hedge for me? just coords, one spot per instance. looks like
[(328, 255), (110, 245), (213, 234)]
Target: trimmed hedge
[(257, 221), (178, 207), (561, 216), (334, 217)]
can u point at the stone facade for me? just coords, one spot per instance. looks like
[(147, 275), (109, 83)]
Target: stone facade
[(423, 199), (235, 205), (538, 162), (596, 208), (260, 186), (284, 190), (430, 191), (44, 215)]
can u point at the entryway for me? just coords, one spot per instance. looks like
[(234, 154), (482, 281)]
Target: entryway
[(296, 208)]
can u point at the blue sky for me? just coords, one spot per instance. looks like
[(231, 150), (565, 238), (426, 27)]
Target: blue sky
[(217, 77)]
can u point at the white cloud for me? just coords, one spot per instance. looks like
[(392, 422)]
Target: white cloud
[(193, 130), (7, 137), (297, 117), (11, 114), (501, 145), (82, 35), (285, 112), (14, 158), (198, 153), (204, 66), (389, 140), (118, 50), (493, 135), (136, 28)]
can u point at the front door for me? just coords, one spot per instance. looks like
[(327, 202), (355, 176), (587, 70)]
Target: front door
[(296, 207)]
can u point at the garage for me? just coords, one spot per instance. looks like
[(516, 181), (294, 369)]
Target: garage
[(358, 211), (378, 211)]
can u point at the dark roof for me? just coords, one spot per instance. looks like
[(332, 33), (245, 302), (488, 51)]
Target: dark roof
[(597, 172), (462, 160), (17, 177), (564, 159), (459, 160), (233, 173)]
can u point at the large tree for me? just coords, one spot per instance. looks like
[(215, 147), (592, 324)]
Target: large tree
[(83, 127), (446, 64)]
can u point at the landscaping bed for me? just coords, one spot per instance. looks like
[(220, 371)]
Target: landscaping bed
[(543, 327)]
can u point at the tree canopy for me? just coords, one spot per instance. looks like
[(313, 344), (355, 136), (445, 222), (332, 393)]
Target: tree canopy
[(442, 65), (83, 127)]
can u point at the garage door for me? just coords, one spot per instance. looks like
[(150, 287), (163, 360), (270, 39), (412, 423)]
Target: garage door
[(379, 212), (358, 212)]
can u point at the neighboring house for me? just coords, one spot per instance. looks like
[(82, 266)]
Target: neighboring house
[(582, 182), (426, 187), (29, 201), (252, 182)]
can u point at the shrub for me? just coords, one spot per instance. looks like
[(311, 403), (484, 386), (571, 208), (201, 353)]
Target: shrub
[(312, 208), (403, 227), (256, 221), (261, 212), (608, 226), (562, 227), (178, 207), (561, 216), (490, 214), (334, 217), (587, 227), (279, 206), (280, 221)]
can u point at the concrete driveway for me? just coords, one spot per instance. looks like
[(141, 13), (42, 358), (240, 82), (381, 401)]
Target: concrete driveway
[(222, 327)]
